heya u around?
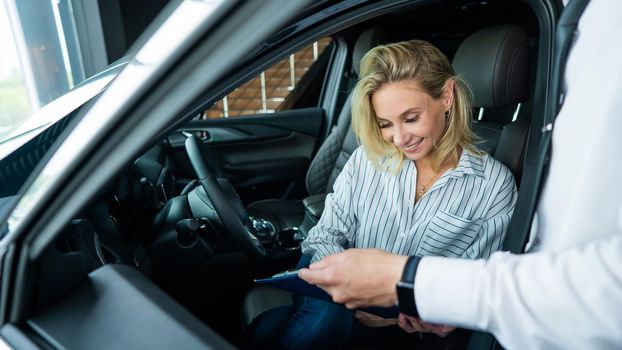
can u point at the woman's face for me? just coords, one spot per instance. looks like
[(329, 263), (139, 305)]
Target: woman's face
[(411, 119)]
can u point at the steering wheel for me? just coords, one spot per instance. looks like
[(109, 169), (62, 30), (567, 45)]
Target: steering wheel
[(226, 201)]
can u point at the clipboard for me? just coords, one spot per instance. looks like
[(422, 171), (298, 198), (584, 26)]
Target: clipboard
[(289, 280)]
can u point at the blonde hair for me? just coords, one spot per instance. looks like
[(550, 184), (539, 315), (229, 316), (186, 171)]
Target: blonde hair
[(411, 60)]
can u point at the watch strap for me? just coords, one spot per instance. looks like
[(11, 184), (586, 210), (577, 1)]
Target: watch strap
[(405, 287)]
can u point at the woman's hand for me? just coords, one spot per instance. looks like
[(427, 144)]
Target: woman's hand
[(412, 324), (358, 277), (371, 320)]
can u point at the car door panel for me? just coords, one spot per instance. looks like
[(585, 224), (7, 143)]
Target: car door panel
[(262, 154)]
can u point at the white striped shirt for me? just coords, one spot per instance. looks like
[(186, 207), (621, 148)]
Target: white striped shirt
[(464, 214)]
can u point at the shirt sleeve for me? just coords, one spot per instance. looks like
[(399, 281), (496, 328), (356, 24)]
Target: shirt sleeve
[(524, 300), (497, 220), (334, 231)]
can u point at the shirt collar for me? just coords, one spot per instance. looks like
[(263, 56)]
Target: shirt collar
[(470, 163)]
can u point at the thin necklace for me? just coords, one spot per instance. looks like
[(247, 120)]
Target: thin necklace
[(422, 189)]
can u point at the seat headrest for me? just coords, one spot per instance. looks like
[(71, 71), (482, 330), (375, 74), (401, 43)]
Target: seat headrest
[(369, 39), (493, 61)]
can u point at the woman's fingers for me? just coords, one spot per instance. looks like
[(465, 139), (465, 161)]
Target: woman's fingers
[(439, 329), (404, 324), (410, 324), (370, 320)]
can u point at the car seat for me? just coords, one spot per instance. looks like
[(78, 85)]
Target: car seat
[(494, 61)]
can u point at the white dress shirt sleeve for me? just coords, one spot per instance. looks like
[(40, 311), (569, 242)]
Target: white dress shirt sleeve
[(571, 299)]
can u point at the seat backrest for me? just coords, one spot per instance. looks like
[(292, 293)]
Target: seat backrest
[(494, 62), (341, 142)]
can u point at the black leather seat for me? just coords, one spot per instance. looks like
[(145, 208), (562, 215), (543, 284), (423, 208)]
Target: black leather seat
[(493, 61), (330, 158)]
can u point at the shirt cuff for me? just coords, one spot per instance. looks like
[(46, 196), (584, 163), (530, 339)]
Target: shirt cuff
[(446, 291)]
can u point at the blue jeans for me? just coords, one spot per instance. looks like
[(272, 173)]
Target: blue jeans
[(307, 324)]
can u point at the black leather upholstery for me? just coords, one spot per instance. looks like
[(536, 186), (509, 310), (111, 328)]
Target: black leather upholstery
[(332, 155), (494, 61), (511, 147), (314, 204)]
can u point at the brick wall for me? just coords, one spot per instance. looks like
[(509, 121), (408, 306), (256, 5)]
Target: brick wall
[(277, 84)]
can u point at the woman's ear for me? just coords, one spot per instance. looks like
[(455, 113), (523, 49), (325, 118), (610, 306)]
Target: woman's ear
[(448, 93)]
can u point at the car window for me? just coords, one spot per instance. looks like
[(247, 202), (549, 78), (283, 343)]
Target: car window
[(273, 90)]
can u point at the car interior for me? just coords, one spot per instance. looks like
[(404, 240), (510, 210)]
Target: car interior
[(220, 202)]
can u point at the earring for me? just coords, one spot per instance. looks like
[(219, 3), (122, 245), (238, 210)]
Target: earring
[(447, 114)]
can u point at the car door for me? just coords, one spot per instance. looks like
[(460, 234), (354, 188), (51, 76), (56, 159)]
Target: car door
[(115, 306), (266, 130)]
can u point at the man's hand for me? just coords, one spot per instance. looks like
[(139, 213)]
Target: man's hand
[(412, 324), (358, 277)]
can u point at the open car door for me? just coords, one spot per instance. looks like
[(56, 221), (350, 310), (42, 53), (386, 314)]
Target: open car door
[(60, 287)]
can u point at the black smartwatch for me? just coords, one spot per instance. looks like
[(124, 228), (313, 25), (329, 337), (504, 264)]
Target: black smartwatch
[(406, 288)]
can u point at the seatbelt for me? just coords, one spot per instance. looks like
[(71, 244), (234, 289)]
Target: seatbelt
[(520, 226)]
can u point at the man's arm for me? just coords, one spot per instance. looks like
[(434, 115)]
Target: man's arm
[(571, 299)]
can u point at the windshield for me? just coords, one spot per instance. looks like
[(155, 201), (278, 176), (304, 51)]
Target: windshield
[(51, 48), (51, 113), (62, 106)]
